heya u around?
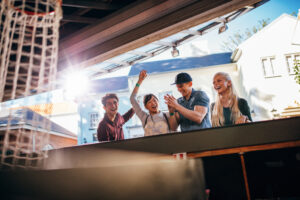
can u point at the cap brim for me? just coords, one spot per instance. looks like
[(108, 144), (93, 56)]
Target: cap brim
[(180, 82)]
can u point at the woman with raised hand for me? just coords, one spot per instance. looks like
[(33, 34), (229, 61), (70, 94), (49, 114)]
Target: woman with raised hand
[(228, 109), (155, 121)]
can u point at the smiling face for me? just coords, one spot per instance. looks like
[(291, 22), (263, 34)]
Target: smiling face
[(220, 83), (185, 89), (152, 105), (111, 106)]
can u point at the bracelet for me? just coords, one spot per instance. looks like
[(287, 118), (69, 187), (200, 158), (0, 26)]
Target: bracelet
[(137, 85), (171, 114)]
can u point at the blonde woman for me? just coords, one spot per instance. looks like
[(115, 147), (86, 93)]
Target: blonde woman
[(228, 109)]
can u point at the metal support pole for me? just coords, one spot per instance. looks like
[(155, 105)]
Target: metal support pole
[(245, 175)]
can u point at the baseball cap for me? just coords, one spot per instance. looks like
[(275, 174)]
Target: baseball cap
[(182, 78)]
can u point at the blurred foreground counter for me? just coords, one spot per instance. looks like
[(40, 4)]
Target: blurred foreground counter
[(258, 160)]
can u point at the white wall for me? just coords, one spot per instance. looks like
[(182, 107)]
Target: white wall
[(273, 92), (68, 121)]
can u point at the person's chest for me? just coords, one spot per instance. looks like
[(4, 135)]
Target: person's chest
[(227, 115), (116, 125), (157, 121), (190, 103)]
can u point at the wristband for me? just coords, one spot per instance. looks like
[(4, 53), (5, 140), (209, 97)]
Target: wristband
[(137, 85), (171, 114)]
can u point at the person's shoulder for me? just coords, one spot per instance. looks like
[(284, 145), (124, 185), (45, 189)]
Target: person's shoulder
[(200, 93), (101, 123), (243, 104), (242, 101), (119, 115), (180, 99)]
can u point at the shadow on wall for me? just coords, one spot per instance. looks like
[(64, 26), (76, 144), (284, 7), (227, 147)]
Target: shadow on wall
[(260, 102), (262, 105), (241, 83)]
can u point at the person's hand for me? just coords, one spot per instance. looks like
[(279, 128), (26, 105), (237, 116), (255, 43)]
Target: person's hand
[(142, 76), (242, 119), (171, 101), (171, 110)]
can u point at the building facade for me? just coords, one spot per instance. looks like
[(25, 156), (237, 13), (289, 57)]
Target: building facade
[(265, 65), (31, 128), (161, 74)]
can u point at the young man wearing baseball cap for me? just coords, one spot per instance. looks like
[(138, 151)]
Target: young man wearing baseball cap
[(191, 110)]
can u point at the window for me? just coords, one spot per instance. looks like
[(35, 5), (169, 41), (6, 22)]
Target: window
[(162, 105), (269, 67), (95, 137), (94, 120), (290, 62)]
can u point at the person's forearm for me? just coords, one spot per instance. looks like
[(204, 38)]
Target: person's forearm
[(173, 122), (128, 114), (136, 87), (136, 107), (190, 114)]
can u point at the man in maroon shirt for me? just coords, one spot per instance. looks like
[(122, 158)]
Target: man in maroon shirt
[(110, 128)]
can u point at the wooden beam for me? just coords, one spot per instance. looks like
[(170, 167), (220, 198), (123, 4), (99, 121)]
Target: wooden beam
[(245, 176), (78, 19), (113, 26), (78, 13), (238, 150), (181, 19), (89, 4), (106, 22)]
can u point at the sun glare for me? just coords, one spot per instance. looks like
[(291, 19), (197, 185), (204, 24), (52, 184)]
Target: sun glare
[(76, 85)]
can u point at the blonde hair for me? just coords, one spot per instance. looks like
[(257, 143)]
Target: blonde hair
[(217, 117)]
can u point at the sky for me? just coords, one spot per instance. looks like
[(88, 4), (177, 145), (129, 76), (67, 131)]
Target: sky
[(212, 41)]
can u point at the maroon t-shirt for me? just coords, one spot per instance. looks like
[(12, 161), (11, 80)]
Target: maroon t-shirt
[(109, 131)]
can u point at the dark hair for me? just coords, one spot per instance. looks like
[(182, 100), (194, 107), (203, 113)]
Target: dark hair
[(147, 98), (109, 96)]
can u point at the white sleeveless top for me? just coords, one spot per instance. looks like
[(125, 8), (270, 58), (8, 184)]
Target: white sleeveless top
[(155, 125)]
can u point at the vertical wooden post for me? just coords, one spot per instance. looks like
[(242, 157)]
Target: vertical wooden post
[(245, 175)]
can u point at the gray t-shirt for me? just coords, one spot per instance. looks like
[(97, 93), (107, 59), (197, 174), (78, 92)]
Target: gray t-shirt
[(197, 98)]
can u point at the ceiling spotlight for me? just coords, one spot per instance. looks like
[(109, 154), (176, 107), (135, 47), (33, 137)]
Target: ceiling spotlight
[(223, 28), (175, 51)]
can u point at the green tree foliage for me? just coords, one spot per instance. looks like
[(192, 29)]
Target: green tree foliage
[(294, 14), (237, 38), (297, 70)]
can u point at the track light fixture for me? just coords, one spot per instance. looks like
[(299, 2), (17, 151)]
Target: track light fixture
[(175, 51), (223, 28)]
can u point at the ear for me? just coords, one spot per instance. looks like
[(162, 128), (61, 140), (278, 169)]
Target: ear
[(104, 108), (190, 84), (229, 83)]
